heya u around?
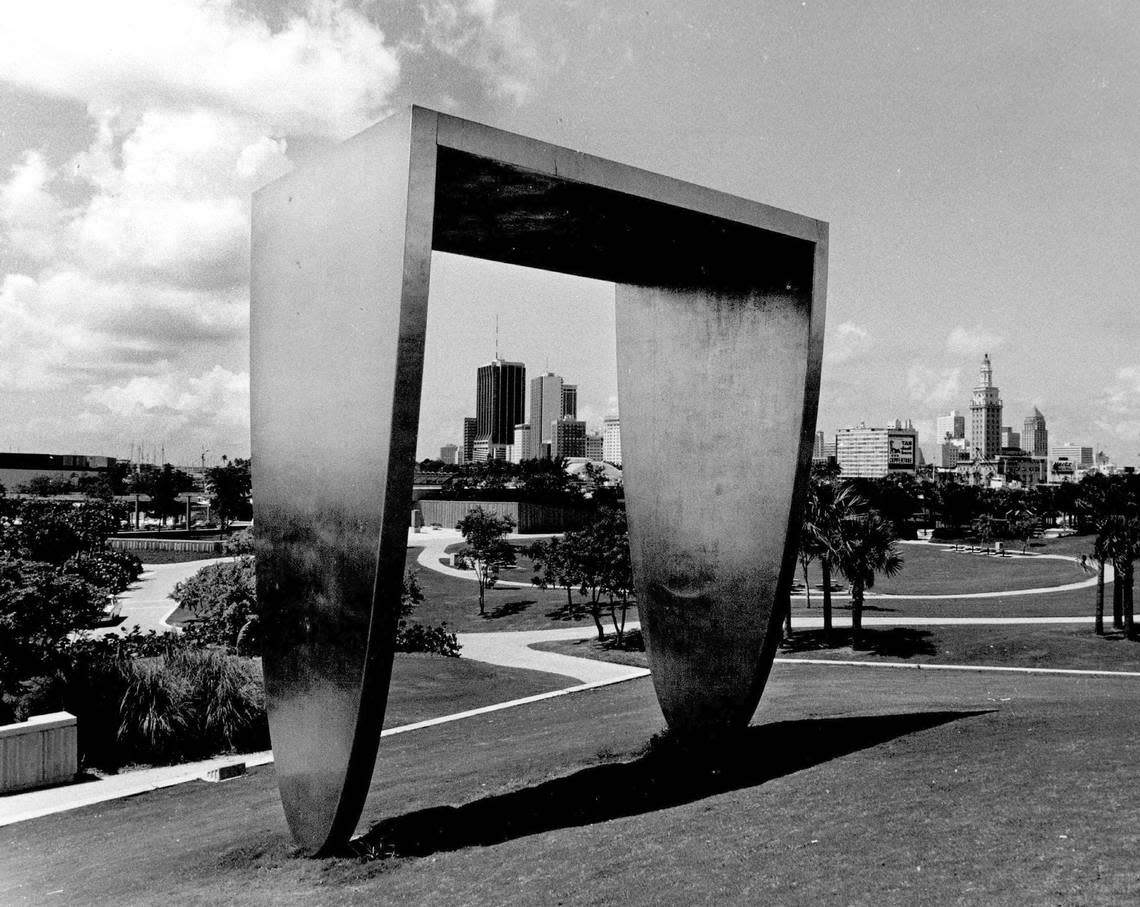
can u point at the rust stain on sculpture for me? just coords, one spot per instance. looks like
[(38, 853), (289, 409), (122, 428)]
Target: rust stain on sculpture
[(720, 324)]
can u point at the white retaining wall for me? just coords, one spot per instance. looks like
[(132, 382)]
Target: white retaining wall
[(39, 751)]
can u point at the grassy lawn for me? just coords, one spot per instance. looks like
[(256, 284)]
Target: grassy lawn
[(854, 786), (428, 686), (1069, 647), (931, 569), (1051, 604)]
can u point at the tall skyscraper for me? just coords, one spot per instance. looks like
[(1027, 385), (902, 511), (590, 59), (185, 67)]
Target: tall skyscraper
[(952, 425), (595, 447), (1035, 437), (499, 394), (545, 408), (985, 415), (611, 440), (570, 400), (1010, 438), (448, 454)]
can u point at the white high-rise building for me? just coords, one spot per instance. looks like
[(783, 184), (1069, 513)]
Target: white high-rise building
[(611, 440), (952, 425)]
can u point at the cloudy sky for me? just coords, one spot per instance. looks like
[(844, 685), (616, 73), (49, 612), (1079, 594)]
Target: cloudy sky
[(978, 164)]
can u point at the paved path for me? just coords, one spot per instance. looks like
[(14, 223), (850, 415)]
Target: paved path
[(148, 603), (512, 650), (435, 543)]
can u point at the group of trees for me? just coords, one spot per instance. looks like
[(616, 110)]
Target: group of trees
[(954, 509), (228, 487), (846, 534), (56, 576), (1109, 506), (593, 561), (538, 481)]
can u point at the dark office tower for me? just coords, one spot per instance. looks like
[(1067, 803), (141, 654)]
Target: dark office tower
[(568, 438), (570, 400), (546, 399), (499, 392), (469, 423), (1035, 437), (985, 414)]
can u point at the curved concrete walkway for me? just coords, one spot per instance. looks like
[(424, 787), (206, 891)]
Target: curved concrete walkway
[(147, 603), (435, 543), (513, 650)]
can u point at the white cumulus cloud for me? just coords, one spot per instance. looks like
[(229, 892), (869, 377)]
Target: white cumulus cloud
[(934, 387), (963, 342), (329, 71), (846, 341)]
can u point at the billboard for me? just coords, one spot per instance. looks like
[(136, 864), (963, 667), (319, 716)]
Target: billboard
[(900, 453)]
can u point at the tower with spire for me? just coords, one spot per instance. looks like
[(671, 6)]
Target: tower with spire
[(985, 415)]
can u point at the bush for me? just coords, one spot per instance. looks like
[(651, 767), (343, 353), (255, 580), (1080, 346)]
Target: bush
[(241, 542), (39, 606), (113, 570), (223, 599), (190, 704), (411, 637), (432, 640)]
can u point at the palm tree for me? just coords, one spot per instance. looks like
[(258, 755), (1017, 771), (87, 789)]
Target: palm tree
[(866, 548), (829, 506), (1100, 555), (1127, 550)]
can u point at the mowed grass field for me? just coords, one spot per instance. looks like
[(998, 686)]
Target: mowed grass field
[(928, 570), (936, 570), (854, 786), (1065, 647)]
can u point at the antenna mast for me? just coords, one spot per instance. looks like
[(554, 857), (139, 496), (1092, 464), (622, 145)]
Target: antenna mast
[(496, 336)]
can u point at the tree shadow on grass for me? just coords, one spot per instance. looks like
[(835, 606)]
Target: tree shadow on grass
[(506, 609), (895, 642), (669, 774)]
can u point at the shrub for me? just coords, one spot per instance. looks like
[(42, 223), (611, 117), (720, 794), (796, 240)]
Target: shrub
[(189, 704), (113, 570), (432, 640), (223, 599), (39, 606), (412, 637)]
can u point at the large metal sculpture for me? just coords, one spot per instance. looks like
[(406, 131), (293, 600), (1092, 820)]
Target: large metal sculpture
[(720, 306)]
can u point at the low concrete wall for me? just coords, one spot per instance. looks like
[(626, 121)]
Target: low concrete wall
[(39, 751), (528, 517), (202, 546)]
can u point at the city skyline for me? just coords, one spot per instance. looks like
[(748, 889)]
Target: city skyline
[(976, 165)]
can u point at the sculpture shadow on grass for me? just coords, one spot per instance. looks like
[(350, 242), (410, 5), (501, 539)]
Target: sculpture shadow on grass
[(669, 774), (896, 642)]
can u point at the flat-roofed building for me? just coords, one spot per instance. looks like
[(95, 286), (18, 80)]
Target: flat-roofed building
[(611, 439), (568, 438), (872, 453)]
